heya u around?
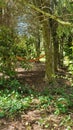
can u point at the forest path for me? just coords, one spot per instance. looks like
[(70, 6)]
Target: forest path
[(39, 119)]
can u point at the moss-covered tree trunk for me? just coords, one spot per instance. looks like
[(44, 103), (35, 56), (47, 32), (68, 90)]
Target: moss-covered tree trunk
[(46, 30), (54, 26)]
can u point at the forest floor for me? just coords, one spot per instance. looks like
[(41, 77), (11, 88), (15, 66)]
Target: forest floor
[(42, 119)]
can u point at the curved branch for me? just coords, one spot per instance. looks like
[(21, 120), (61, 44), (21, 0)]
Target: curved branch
[(49, 15)]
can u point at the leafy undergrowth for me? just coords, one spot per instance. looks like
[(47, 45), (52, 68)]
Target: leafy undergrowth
[(30, 110)]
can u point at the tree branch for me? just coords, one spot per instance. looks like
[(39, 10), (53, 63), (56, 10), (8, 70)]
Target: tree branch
[(49, 15)]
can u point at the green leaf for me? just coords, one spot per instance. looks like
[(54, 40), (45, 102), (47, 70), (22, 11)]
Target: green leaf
[(2, 114)]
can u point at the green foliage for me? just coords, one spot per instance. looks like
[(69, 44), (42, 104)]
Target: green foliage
[(7, 57), (63, 31), (70, 58), (15, 85), (20, 47), (26, 47), (61, 105), (12, 103), (45, 101), (2, 3), (30, 47), (67, 121), (12, 97), (15, 98)]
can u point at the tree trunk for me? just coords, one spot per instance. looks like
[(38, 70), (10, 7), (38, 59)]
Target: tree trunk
[(48, 49), (37, 45), (61, 52), (56, 53)]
